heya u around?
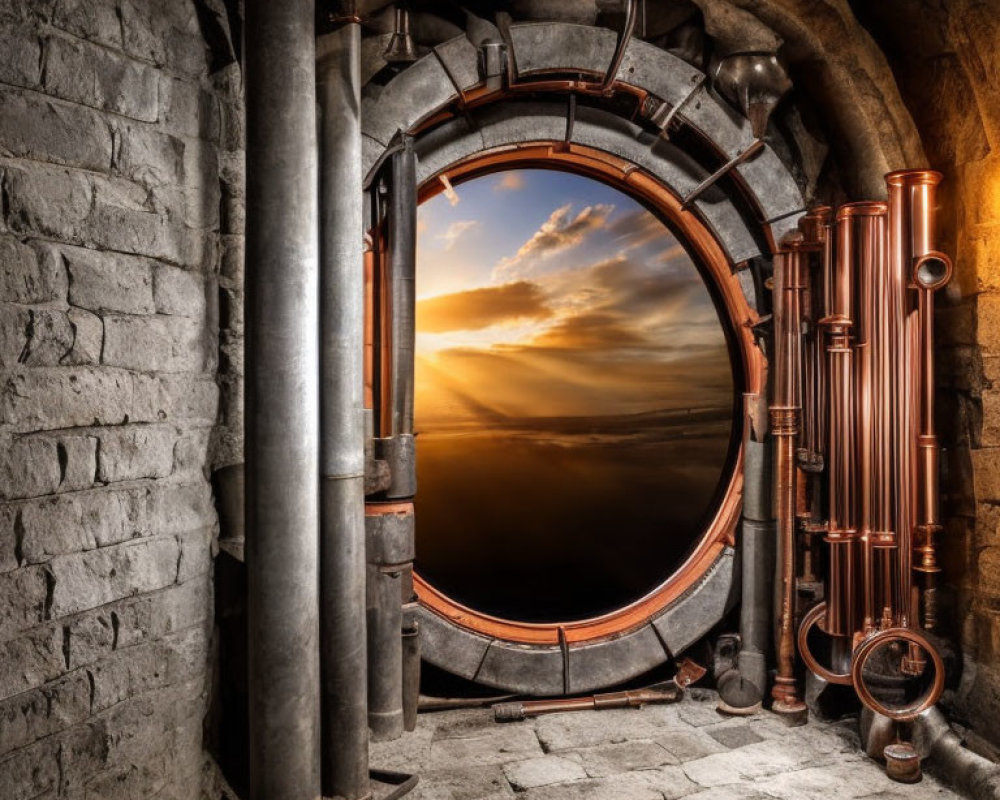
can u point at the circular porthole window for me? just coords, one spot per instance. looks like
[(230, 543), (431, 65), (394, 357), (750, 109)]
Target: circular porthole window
[(576, 406)]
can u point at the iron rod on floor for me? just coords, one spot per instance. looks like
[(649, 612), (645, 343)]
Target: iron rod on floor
[(342, 423), (282, 401)]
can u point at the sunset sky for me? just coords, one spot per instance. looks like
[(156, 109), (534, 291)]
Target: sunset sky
[(544, 293)]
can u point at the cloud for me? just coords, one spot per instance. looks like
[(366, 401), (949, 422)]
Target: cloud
[(476, 309), (560, 231), (509, 182), (455, 231)]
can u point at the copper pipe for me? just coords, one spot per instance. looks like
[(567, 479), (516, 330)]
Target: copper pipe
[(524, 709), (785, 414), (369, 324), (929, 271), (842, 452), (862, 249)]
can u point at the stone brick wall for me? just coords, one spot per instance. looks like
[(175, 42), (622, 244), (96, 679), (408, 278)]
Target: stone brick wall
[(120, 207)]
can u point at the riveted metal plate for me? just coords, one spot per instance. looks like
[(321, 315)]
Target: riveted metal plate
[(450, 647), (561, 47), (419, 91), (524, 669), (461, 61), (693, 615), (594, 666)]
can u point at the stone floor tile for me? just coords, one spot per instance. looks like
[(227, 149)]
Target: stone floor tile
[(535, 772), (628, 786), (494, 744), (671, 782), (689, 745), (734, 736), (472, 783), (613, 759), (748, 763)]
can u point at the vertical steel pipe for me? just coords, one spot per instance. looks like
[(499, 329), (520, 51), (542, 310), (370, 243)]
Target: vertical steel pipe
[(282, 401), (342, 422), (389, 527), (785, 417), (391, 531)]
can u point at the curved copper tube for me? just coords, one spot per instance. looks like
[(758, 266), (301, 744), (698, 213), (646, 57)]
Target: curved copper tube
[(812, 619), (915, 641)]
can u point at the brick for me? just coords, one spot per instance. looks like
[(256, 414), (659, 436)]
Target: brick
[(196, 554), (147, 233), (66, 397), (32, 771), (191, 454), (188, 397), (20, 64), (83, 753), (29, 467), (202, 191), (81, 521), (175, 508), (135, 452), (178, 292), (146, 155), (88, 338), (31, 660), (49, 201), (48, 130), (96, 77), (160, 344), (109, 281), (50, 338), (91, 579), (988, 308), (29, 275), (33, 715), (36, 465), (10, 537), (14, 324), (188, 110), (986, 469), (23, 600), (95, 20)]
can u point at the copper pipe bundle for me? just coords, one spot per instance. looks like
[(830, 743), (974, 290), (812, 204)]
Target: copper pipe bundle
[(866, 382)]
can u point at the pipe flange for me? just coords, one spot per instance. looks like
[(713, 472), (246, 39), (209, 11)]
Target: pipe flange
[(867, 649)]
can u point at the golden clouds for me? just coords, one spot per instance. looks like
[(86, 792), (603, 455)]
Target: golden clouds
[(559, 232), (477, 309)]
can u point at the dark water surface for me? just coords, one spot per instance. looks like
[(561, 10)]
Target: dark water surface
[(556, 525)]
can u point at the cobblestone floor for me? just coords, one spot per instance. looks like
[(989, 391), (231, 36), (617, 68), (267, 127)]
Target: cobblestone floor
[(684, 750)]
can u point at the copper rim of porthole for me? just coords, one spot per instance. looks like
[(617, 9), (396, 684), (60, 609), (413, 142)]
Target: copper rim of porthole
[(720, 532)]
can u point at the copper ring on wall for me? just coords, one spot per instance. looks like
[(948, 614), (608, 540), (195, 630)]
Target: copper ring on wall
[(809, 621), (749, 360), (865, 651)]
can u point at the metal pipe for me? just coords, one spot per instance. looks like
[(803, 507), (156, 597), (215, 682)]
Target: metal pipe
[(742, 689), (517, 710), (785, 416), (342, 421), (973, 775), (389, 531), (930, 270), (842, 449), (624, 37), (411, 667), (282, 401)]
